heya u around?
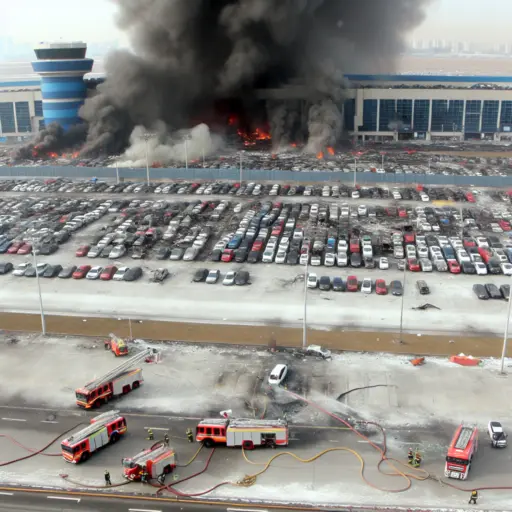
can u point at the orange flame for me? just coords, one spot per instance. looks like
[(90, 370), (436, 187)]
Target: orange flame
[(232, 120), (293, 144), (53, 155), (274, 156), (75, 154), (330, 150), (320, 155)]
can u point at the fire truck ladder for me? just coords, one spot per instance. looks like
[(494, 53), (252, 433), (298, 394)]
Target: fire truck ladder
[(464, 437), (137, 358), (99, 422), (142, 457)]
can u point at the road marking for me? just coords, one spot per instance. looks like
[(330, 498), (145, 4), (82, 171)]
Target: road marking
[(363, 441), (6, 493), (48, 421), (143, 510), (13, 419), (156, 428), (63, 498), (246, 510)]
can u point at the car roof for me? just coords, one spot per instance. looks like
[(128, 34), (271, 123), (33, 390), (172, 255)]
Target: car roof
[(278, 367)]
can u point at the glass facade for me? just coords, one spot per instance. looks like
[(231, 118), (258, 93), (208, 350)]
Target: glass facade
[(349, 111), (38, 107), (421, 115), (490, 116), (7, 117), (23, 117), (404, 115), (506, 116), (369, 116), (456, 115), (41, 124), (440, 121), (472, 119), (387, 115)]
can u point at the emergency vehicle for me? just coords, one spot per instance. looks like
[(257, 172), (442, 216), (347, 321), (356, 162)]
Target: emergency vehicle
[(157, 460), (461, 451), (247, 433), (117, 345), (119, 381), (107, 428)]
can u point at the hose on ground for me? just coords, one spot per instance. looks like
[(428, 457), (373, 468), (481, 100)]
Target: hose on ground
[(38, 452), (192, 459), (66, 477), (10, 438)]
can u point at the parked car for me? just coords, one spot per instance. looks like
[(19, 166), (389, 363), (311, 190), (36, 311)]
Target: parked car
[(108, 272), (396, 288), (200, 275), (380, 287), (82, 251), (52, 271), (213, 276), (324, 283), (493, 291), (366, 285), (132, 274), (278, 374), (67, 272), (352, 284), (5, 267), (94, 273), (119, 275), (480, 291), (338, 285), (81, 272), (422, 287), (242, 278), (229, 278), (318, 351), (312, 281)]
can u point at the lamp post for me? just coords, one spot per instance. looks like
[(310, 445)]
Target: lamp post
[(41, 308), (505, 336), (240, 181), (355, 172), (147, 136), (186, 153), (304, 319)]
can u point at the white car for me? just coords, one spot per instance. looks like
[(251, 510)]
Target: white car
[(280, 256), (330, 259), (119, 275), (237, 208), (317, 350), (312, 280), (362, 210), (422, 251), (366, 285), (94, 273), (383, 263), (268, 256), (20, 269), (481, 268), (213, 276), (316, 260), (342, 259), (355, 194), (426, 265), (506, 268), (229, 278), (190, 254), (278, 374), (304, 259)]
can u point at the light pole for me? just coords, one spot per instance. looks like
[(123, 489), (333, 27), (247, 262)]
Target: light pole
[(304, 319), (203, 155), (505, 336), (402, 303), (429, 164), (240, 182), (117, 170), (43, 319), (382, 161), (186, 153), (147, 136), (355, 172)]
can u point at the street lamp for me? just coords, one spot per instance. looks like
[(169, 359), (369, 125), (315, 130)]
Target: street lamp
[(240, 181), (41, 309), (147, 136), (505, 337), (304, 319), (186, 152), (355, 171)]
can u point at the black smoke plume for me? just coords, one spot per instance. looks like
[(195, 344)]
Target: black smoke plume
[(189, 53)]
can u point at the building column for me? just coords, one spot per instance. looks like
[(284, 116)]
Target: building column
[(412, 116), (481, 116), (15, 117), (499, 117), (378, 116), (359, 107), (429, 116)]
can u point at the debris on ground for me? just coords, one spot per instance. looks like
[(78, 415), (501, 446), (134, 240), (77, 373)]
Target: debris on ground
[(418, 361), (426, 306)]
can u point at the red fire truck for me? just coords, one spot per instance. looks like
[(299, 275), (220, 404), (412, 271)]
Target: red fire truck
[(104, 429), (242, 432), (461, 451), (157, 460), (119, 381), (117, 345)]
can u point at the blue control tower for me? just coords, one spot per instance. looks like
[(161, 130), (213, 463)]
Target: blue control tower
[(62, 67)]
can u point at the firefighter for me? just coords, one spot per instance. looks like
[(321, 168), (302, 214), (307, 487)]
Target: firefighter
[(161, 479), (190, 436), (417, 460), (474, 497), (150, 437), (107, 478), (144, 476), (410, 456), (166, 439)]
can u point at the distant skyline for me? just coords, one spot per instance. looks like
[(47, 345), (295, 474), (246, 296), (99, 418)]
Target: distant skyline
[(30, 21)]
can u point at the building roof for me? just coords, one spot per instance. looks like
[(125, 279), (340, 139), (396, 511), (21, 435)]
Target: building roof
[(430, 78)]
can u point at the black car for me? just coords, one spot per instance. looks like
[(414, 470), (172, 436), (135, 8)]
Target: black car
[(132, 274), (67, 272), (292, 258), (324, 283), (369, 263), (338, 285), (493, 291), (254, 257), (505, 291), (355, 259), (200, 275), (216, 255), (162, 253), (242, 278), (5, 268), (105, 252), (52, 271), (63, 236), (241, 255), (480, 291), (494, 266), (396, 288), (468, 267), (4, 246), (422, 287), (47, 249)]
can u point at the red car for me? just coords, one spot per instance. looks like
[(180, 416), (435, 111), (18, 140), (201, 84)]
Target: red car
[(391, 211), (82, 251), (257, 245), (352, 284), (277, 230), (485, 253), (227, 255), (15, 247), (81, 272), (468, 242), (380, 287), (470, 197), (453, 267), (25, 249), (413, 265), (504, 224), (354, 245), (402, 212), (108, 273), (409, 238)]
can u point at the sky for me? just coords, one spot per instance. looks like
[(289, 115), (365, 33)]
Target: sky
[(31, 21)]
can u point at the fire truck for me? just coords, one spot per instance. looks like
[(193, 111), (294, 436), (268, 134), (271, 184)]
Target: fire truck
[(157, 460), (461, 451), (247, 433), (107, 428), (117, 345), (119, 381)]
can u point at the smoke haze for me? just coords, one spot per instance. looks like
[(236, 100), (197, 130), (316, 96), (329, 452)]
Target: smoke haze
[(189, 53)]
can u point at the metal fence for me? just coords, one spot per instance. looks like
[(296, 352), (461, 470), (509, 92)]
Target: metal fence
[(128, 174)]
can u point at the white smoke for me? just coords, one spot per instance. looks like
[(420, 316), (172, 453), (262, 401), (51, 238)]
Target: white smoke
[(166, 148)]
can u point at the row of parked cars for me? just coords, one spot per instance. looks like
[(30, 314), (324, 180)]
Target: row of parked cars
[(352, 284), (491, 291), (212, 276)]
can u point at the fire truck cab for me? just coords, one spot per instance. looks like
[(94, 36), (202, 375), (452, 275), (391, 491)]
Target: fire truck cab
[(461, 452), (107, 428), (247, 433), (157, 460), (117, 345)]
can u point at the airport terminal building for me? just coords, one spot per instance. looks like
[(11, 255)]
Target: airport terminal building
[(377, 107)]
